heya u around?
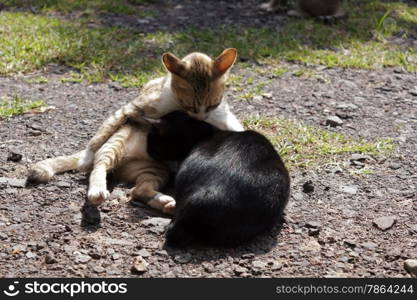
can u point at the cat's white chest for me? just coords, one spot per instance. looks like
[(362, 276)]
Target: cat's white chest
[(224, 119)]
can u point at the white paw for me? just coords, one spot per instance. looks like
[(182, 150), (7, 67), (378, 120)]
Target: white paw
[(163, 203), (97, 195), (86, 162), (164, 199), (169, 208)]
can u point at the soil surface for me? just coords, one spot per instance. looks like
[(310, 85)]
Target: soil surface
[(330, 228)]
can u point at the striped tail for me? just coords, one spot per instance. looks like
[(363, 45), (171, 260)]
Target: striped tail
[(44, 170)]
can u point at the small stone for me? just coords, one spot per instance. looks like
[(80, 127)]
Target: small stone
[(297, 196), (276, 265), (115, 256), (369, 245), (384, 223), (98, 269), (30, 254), (49, 259), (143, 253), (13, 182), (63, 184), (308, 187), (349, 189), (312, 246), (183, 259), (161, 252), (350, 243), (334, 121), (347, 106), (19, 249), (394, 166), (14, 156), (34, 132), (267, 95), (359, 157), (257, 264), (411, 266), (312, 224), (248, 255), (313, 231), (240, 270), (337, 170), (139, 265), (156, 225), (257, 98), (413, 229), (115, 85), (82, 258)]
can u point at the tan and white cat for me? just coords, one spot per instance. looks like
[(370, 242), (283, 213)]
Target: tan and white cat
[(194, 84)]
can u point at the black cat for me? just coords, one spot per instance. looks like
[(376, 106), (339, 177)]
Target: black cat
[(230, 186)]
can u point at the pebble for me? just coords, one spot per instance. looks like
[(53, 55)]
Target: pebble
[(308, 187), (369, 245), (312, 224), (297, 196), (139, 265), (98, 269), (3, 236), (347, 106), (276, 265), (30, 254), (267, 95), (349, 189), (257, 98), (334, 121), (183, 258), (394, 166), (257, 264), (411, 266), (143, 253), (156, 225), (13, 182), (313, 231), (384, 223), (359, 157), (240, 270), (63, 184), (82, 258), (14, 156), (49, 259)]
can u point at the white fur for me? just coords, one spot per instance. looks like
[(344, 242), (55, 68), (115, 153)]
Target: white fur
[(165, 102), (224, 119), (164, 203), (86, 161), (97, 195)]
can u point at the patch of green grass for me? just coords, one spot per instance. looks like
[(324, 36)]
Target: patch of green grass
[(39, 79), (67, 6), (29, 42), (301, 145), (279, 71), (17, 106)]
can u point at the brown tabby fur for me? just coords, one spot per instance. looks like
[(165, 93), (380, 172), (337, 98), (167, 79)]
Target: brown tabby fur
[(194, 84)]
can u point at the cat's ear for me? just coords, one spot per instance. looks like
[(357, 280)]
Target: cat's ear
[(224, 61), (173, 63)]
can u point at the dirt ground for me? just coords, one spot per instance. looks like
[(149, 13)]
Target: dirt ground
[(46, 230)]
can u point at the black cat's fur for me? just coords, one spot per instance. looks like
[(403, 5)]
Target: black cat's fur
[(230, 186)]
